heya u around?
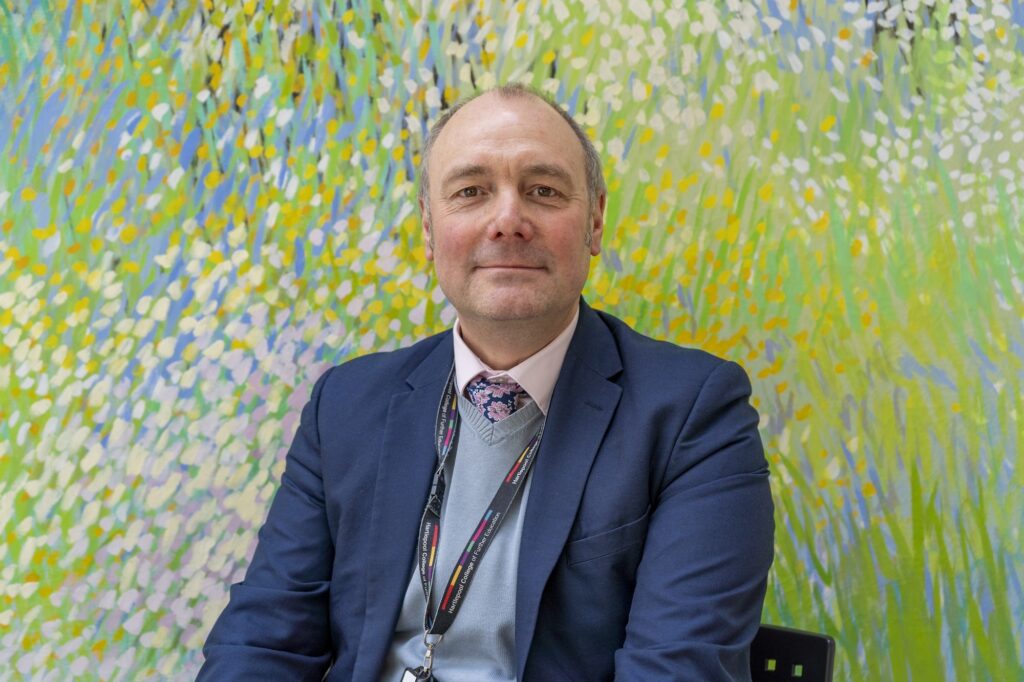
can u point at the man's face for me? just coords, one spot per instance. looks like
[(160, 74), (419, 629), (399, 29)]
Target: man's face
[(509, 225)]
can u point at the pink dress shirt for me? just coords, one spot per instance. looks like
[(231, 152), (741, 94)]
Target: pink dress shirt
[(537, 374)]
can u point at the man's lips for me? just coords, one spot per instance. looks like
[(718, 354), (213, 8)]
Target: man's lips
[(508, 266)]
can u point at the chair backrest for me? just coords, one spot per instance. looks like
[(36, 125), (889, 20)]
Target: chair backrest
[(781, 654)]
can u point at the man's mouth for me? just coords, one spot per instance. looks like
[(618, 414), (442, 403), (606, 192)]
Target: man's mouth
[(509, 266)]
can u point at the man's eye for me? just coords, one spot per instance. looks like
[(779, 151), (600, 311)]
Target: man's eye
[(468, 192), (546, 192)]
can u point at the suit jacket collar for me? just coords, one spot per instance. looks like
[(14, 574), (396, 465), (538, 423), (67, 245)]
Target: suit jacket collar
[(581, 409), (594, 345), (407, 460), (435, 366)]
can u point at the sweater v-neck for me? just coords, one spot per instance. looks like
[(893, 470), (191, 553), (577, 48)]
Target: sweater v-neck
[(492, 433)]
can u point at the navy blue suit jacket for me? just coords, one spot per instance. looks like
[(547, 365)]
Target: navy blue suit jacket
[(645, 547)]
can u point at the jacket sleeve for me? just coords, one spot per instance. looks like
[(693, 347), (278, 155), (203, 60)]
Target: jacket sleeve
[(276, 624), (702, 578)]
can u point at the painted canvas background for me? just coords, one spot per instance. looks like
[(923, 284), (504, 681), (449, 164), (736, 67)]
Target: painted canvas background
[(204, 205)]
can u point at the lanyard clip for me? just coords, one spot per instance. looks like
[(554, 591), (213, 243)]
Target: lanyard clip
[(428, 658), (434, 504)]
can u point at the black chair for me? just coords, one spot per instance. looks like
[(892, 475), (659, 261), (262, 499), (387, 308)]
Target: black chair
[(781, 654)]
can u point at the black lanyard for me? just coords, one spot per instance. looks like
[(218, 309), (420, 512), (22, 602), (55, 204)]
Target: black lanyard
[(446, 439)]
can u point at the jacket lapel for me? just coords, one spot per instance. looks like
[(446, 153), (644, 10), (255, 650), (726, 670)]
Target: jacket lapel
[(406, 465), (581, 409)]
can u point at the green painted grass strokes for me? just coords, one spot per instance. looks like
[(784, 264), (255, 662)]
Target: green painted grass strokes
[(929, 339)]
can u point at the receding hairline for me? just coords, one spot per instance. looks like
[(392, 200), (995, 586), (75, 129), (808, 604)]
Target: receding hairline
[(593, 175), (499, 95)]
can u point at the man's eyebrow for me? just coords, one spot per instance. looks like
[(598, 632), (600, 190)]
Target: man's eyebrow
[(462, 172), (550, 170), (472, 170)]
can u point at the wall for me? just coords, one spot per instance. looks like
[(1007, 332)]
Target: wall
[(201, 209)]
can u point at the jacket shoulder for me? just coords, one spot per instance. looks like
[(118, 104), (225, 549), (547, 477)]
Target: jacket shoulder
[(381, 372), (646, 358)]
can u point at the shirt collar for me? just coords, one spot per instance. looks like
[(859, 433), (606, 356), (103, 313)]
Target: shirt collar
[(537, 374)]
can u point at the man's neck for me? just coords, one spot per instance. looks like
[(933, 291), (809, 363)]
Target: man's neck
[(503, 345)]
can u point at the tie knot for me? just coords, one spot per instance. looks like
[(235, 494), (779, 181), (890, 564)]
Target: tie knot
[(496, 398)]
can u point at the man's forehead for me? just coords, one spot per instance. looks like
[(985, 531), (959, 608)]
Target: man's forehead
[(477, 131)]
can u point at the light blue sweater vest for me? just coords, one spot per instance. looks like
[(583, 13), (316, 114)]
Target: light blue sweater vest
[(480, 645)]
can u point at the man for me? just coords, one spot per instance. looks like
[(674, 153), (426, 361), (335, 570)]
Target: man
[(595, 503)]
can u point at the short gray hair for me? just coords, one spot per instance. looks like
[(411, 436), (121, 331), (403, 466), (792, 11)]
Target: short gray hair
[(591, 159)]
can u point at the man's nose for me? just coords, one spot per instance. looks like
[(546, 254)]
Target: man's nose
[(510, 218)]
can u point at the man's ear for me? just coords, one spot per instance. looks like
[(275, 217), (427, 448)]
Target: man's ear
[(428, 238), (597, 224)]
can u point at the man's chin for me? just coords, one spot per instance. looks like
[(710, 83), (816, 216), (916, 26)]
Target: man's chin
[(523, 309), (512, 307)]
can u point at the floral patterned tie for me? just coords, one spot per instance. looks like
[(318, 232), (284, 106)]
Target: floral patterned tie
[(497, 398)]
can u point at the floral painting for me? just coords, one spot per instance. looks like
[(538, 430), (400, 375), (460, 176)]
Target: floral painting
[(203, 205)]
